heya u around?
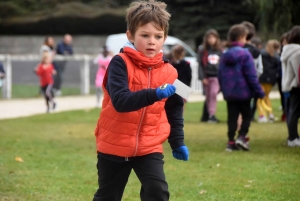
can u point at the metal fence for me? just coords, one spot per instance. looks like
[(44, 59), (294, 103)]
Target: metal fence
[(82, 72)]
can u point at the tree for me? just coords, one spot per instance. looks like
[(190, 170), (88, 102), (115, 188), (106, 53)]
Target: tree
[(277, 16), (191, 18)]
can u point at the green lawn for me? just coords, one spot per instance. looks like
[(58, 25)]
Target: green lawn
[(59, 161), (31, 91)]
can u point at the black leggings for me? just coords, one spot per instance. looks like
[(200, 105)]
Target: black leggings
[(48, 93)]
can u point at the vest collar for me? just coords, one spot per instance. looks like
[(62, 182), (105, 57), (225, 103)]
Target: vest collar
[(144, 62)]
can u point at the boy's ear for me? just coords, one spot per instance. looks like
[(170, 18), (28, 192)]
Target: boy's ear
[(129, 36)]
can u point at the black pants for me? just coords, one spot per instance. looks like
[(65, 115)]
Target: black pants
[(205, 114), (58, 78), (279, 80), (294, 113), (234, 108), (113, 176)]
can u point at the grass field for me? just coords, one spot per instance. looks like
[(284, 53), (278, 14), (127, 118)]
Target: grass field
[(31, 91), (59, 157)]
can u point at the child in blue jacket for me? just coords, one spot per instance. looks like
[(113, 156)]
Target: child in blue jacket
[(239, 83)]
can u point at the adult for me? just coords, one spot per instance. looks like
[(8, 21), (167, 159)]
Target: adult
[(48, 46), (63, 48)]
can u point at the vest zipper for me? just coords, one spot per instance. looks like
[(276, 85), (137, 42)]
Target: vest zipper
[(126, 158), (142, 117)]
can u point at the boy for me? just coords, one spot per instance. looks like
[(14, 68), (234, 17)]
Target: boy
[(256, 55), (239, 83), (140, 110)]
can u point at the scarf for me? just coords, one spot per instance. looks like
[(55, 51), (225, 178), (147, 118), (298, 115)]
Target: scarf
[(139, 58)]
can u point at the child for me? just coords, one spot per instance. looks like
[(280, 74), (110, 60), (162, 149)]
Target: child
[(45, 70), (182, 66), (283, 96), (290, 83), (209, 58), (255, 52), (102, 61), (239, 83), (140, 110), (268, 78)]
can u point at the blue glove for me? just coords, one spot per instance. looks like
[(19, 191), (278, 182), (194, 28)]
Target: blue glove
[(181, 153), (165, 91)]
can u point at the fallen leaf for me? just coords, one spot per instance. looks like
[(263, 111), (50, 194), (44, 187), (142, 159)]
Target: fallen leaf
[(200, 184), (218, 165), (247, 186), (19, 159), (250, 181), (202, 192)]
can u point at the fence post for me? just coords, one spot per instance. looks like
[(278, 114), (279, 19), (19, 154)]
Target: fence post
[(6, 88), (85, 76)]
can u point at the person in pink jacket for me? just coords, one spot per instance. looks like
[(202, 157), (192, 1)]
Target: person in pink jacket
[(102, 61)]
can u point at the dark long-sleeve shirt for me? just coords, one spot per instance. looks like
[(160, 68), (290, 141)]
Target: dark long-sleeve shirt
[(64, 49)]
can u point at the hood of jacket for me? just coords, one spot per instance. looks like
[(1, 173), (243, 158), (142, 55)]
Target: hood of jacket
[(289, 50)]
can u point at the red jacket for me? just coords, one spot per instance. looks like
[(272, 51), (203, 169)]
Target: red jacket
[(45, 73), (139, 132)]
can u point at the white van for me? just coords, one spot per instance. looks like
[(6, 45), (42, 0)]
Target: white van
[(116, 41)]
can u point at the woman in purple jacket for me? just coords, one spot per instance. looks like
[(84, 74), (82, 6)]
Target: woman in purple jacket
[(239, 83)]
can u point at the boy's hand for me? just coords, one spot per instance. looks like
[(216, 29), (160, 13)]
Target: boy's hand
[(181, 153), (165, 91)]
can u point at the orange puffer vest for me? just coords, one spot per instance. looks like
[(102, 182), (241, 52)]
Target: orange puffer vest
[(140, 132)]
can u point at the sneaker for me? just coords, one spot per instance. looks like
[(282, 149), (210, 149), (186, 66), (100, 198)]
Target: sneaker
[(231, 147), (213, 119), (242, 142), (272, 118), (262, 119), (294, 143)]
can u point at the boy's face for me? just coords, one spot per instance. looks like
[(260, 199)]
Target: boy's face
[(147, 39)]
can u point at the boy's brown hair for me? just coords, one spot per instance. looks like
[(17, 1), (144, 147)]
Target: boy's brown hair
[(272, 47), (140, 13), (294, 35), (284, 37), (217, 45), (251, 29), (235, 32)]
